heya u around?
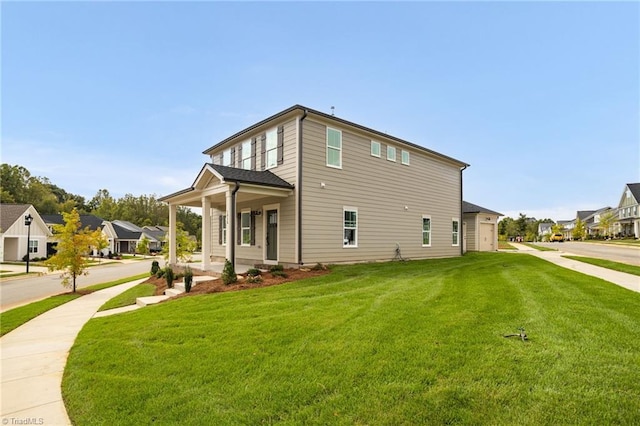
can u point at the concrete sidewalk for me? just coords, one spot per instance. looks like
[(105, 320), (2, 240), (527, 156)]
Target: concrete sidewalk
[(628, 281), (34, 356)]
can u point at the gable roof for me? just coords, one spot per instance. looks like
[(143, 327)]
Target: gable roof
[(86, 220), (583, 214), (474, 208), (304, 110), (635, 190), (124, 233), (9, 213)]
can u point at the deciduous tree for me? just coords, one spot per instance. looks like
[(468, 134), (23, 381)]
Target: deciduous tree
[(74, 244)]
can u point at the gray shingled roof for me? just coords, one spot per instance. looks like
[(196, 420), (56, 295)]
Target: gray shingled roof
[(232, 174), (124, 233), (473, 208), (583, 214), (92, 221), (9, 213), (635, 190)]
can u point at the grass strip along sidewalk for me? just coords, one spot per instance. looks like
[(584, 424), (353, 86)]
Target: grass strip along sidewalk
[(417, 342), (14, 318), (609, 264)]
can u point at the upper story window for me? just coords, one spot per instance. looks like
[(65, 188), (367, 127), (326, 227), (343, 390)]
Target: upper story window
[(334, 148), (405, 157), (271, 148), (375, 149), (391, 153), (226, 157), (245, 161)]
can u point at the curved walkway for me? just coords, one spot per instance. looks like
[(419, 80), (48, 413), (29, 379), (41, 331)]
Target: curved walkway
[(628, 281), (34, 356)]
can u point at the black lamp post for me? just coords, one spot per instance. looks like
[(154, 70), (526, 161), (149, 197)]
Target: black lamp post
[(27, 221)]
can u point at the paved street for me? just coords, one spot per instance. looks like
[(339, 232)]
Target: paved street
[(624, 254), (18, 291)]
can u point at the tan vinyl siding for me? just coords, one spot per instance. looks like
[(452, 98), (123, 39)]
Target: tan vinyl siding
[(472, 231), (380, 190)]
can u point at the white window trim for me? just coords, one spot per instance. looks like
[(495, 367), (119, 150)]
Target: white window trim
[(426, 216), (242, 228), (376, 143), (394, 153), (402, 153), (273, 131), (225, 153), (35, 247), (223, 231), (455, 219), (332, 147), (350, 209), (246, 154)]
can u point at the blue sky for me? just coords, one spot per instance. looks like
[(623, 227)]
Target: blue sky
[(542, 99)]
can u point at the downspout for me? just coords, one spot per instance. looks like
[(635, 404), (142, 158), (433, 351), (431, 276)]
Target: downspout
[(304, 115), (460, 224), (232, 224)]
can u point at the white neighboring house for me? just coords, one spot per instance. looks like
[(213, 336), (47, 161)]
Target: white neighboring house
[(628, 224), (124, 236), (544, 228), (14, 232)]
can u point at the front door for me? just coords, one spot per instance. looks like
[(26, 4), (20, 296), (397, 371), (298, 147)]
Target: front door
[(272, 235)]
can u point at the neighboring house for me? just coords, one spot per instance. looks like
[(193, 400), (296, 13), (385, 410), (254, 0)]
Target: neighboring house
[(544, 228), (592, 221), (480, 228), (86, 221), (567, 228), (14, 233), (124, 236), (303, 187), (628, 224)]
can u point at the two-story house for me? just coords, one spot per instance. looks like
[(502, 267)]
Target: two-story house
[(303, 187), (628, 223)]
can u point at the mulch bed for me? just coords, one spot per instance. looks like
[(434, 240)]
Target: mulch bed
[(217, 286)]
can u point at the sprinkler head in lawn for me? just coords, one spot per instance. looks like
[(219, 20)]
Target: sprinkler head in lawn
[(522, 335)]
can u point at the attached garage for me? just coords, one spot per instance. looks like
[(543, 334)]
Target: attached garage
[(480, 228)]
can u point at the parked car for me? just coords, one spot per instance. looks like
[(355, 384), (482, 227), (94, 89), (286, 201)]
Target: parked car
[(556, 238)]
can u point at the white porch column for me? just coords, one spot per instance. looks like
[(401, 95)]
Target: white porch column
[(172, 234), (206, 233), (229, 227)]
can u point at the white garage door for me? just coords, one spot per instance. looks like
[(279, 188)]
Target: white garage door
[(487, 238)]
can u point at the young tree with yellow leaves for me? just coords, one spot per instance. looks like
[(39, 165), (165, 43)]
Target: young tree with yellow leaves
[(74, 244)]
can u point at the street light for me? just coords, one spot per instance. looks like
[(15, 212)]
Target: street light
[(27, 221)]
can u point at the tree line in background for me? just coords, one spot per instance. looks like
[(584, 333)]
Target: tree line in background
[(17, 185), (524, 227)]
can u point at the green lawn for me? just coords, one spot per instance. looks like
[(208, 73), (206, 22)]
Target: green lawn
[(419, 342), (539, 248), (129, 296), (14, 318), (609, 264), (504, 245)]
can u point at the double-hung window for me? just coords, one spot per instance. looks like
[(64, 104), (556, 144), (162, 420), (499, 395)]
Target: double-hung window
[(455, 232), (223, 230), (391, 153), (426, 231), (226, 157), (271, 147), (350, 226), (375, 149), (334, 148), (246, 155), (405, 157), (245, 225), (33, 246)]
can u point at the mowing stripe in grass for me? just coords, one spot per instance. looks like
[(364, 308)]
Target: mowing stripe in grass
[(609, 264), (419, 342)]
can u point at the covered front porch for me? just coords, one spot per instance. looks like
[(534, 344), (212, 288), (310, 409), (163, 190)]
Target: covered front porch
[(243, 207)]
